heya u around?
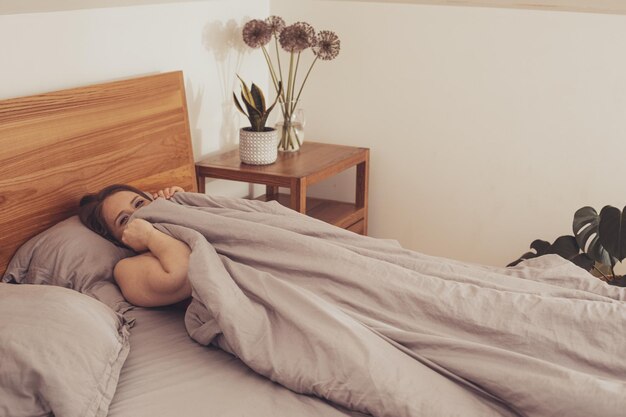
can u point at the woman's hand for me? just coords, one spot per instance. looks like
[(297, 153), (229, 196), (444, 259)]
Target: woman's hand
[(167, 193), (137, 234)]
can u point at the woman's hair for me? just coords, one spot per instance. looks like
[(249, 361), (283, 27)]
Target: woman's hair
[(90, 210)]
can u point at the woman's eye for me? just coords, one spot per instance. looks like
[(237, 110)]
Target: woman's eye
[(139, 203), (123, 220)]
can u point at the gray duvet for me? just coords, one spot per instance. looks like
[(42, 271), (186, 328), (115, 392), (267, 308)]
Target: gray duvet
[(387, 331)]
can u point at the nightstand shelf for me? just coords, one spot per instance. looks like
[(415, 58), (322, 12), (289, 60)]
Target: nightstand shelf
[(296, 171), (344, 215)]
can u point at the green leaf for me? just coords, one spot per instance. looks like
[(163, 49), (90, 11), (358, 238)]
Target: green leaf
[(586, 230), (245, 92), (238, 105), (583, 261), (541, 248), (564, 246), (612, 231), (263, 121), (255, 121), (585, 224), (259, 99), (252, 111)]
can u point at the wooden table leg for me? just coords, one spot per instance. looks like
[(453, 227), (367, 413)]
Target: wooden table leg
[(271, 192), (362, 187), (298, 195), (201, 182)]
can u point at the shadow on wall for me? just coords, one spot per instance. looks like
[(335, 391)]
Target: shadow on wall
[(224, 41), (194, 110)]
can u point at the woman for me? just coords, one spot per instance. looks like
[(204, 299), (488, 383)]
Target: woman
[(157, 276)]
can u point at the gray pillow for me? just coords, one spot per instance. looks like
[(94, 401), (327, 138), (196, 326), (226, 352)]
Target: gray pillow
[(70, 255), (61, 352)]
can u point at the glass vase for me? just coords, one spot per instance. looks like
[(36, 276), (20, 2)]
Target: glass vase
[(290, 128)]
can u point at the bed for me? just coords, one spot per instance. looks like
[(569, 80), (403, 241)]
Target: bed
[(376, 328), (54, 148)]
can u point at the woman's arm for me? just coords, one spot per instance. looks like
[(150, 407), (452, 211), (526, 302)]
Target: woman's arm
[(155, 278)]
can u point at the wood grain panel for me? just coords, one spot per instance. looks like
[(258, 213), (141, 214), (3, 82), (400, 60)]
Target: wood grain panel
[(56, 147)]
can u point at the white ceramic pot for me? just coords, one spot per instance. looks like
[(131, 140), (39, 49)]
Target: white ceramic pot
[(258, 148)]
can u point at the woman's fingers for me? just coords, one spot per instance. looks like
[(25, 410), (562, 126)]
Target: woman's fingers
[(168, 192)]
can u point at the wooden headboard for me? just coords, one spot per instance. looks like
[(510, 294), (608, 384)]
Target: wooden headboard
[(58, 146)]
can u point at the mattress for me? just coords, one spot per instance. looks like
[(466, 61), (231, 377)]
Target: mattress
[(168, 374)]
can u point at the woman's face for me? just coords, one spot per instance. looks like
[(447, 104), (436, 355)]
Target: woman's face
[(117, 209)]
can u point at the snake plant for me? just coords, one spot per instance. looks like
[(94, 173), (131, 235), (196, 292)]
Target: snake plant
[(254, 102)]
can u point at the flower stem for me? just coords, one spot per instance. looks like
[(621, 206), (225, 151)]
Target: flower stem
[(291, 77), (302, 86), (287, 113), (280, 68), (281, 98), (293, 85)]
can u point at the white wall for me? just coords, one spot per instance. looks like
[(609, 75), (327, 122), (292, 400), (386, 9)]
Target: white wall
[(488, 127), (43, 52)]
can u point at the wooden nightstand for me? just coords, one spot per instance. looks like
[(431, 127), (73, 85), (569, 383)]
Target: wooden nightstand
[(296, 171)]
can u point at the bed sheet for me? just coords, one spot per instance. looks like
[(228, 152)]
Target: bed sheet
[(167, 374)]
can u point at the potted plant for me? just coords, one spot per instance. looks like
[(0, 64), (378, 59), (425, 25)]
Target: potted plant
[(598, 243), (257, 143)]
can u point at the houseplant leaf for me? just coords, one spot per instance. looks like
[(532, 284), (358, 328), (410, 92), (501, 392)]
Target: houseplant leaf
[(540, 247), (567, 247), (257, 96), (612, 231), (246, 95), (564, 246), (586, 230), (252, 110), (239, 105), (584, 261)]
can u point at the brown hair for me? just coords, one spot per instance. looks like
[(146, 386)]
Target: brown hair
[(90, 209)]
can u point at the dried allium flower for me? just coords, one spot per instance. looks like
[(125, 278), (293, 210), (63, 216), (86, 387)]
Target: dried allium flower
[(256, 33), (297, 37), (328, 45), (276, 24)]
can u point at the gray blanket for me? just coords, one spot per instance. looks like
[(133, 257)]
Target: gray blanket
[(387, 331)]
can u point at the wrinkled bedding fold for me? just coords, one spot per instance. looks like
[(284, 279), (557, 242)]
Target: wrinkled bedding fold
[(387, 331)]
